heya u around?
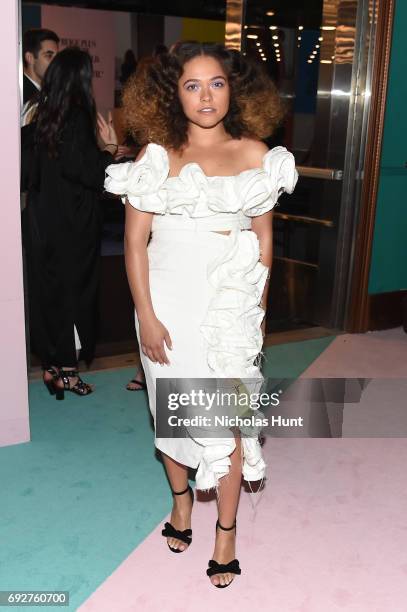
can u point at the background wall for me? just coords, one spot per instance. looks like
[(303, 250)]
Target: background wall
[(14, 423), (92, 31), (204, 30), (388, 270), (172, 30), (108, 35)]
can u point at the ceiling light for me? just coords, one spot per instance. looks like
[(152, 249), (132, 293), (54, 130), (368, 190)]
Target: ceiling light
[(320, 38), (300, 27), (298, 37), (264, 59), (270, 13), (273, 28), (258, 44), (251, 36), (317, 46), (261, 50), (326, 61), (276, 44), (332, 57), (245, 27), (275, 37), (328, 27), (309, 61)]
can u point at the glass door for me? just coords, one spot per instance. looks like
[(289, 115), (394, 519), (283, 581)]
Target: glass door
[(309, 51)]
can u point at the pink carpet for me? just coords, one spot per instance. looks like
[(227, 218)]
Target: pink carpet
[(380, 354), (329, 532)]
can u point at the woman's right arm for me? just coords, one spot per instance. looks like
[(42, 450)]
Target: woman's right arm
[(152, 332)]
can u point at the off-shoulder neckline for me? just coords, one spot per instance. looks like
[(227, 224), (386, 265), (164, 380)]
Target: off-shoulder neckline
[(220, 176)]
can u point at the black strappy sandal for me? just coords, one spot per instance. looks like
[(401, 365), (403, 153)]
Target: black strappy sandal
[(219, 568), (171, 532), (50, 384), (143, 386), (80, 388)]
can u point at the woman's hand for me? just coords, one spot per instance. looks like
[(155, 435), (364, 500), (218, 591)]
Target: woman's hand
[(124, 151), (152, 336), (107, 132)]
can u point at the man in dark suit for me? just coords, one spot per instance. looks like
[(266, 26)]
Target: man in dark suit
[(39, 49)]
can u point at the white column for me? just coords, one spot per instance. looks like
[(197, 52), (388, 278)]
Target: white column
[(14, 417)]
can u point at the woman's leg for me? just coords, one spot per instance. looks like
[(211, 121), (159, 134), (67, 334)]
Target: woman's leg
[(229, 492), (182, 508), (134, 384)]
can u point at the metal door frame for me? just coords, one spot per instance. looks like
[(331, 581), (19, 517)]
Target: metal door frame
[(358, 315)]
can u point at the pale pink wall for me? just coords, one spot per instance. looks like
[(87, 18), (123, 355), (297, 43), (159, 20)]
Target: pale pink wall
[(14, 417), (94, 31)]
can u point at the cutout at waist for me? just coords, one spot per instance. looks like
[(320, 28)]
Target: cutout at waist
[(227, 232)]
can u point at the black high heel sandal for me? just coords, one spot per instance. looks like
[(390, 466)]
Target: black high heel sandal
[(219, 568), (80, 388), (50, 384), (171, 532)]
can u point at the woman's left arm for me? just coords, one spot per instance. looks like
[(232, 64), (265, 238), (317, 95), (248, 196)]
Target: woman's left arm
[(263, 228)]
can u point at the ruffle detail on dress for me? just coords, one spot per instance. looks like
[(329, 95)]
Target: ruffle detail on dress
[(148, 187), (196, 195), (258, 190), (141, 181), (232, 330), (254, 466), (232, 323), (215, 461)]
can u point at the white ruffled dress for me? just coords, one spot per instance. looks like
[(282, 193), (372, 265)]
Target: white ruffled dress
[(205, 287)]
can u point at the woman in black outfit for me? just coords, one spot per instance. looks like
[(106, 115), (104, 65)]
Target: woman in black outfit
[(63, 170)]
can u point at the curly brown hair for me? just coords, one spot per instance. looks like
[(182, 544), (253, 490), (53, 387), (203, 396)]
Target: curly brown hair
[(153, 111)]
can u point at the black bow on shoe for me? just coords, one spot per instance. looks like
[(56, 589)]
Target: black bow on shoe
[(218, 568), (171, 532)]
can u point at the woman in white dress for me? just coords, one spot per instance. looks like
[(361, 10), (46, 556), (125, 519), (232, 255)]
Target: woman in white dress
[(204, 185)]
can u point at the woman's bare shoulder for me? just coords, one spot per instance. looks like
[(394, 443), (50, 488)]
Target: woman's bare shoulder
[(253, 151)]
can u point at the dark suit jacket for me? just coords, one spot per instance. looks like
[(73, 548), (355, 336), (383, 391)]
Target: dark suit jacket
[(29, 90)]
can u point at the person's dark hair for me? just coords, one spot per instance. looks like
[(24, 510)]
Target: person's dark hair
[(66, 87), (128, 66), (160, 48), (33, 38), (153, 111)]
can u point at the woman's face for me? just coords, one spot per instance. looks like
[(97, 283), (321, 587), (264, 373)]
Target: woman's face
[(204, 92)]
